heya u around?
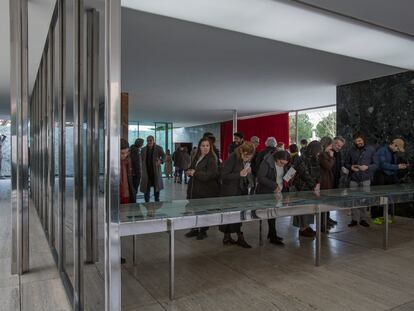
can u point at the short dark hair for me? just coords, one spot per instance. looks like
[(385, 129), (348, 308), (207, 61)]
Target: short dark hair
[(124, 144), (303, 142), (358, 134), (239, 135), (281, 155), (293, 148)]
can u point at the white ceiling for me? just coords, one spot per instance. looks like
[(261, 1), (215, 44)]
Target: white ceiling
[(395, 14), (190, 73)]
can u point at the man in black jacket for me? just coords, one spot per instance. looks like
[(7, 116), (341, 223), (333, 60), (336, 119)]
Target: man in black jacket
[(361, 166), (237, 141), (270, 148)]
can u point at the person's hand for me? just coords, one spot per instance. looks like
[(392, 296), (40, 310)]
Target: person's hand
[(244, 172), (355, 168), (402, 166), (363, 168), (277, 190), (190, 173), (317, 187), (331, 153)]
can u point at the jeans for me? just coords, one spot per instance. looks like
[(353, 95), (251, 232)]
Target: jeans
[(147, 195), (359, 214)]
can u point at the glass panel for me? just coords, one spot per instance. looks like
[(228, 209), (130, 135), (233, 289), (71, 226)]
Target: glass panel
[(69, 142), (5, 164), (57, 131), (338, 198)]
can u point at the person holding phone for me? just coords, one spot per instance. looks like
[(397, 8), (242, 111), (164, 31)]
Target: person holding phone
[(361, 166), (270, 180), (235, 176), (203, 183)]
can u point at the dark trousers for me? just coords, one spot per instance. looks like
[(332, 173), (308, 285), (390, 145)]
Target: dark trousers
[(181, 172), (272, 227), (147, 195), (381, 178)]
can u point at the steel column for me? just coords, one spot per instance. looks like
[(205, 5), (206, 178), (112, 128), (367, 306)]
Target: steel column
[(318, 239), (112, 150), (78, 104), (19, 135), (234, 121), (384, 203)]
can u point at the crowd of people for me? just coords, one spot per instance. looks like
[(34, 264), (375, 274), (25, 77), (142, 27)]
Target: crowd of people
[(316, 166)]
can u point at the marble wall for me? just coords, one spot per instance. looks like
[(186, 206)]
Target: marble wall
[(381, 108)]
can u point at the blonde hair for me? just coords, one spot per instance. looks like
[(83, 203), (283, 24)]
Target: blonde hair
[(247, 147)]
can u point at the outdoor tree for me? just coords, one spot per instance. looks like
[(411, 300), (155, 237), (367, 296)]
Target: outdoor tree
[(327, 126), (304, 127)]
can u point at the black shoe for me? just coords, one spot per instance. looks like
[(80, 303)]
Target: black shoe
[(274, 236), (192, 233), (229, 241), (363, 223), (201, 235), (353, 223), (123, 261), (307, 233), (332, 222), (276, 241)]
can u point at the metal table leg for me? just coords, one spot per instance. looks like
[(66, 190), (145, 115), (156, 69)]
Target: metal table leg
[(261, 232), (386, 225), (133, 249), (318, 239), (172, 261)]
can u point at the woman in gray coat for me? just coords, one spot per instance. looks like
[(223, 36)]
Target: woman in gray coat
[(152, 158)]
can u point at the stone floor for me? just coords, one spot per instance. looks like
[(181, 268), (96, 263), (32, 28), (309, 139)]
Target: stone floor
[(355, 273)]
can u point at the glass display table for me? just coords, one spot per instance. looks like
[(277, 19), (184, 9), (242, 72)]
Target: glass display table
[(169, 216)]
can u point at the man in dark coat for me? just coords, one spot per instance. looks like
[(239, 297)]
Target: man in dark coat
[(337, 146), (152, 158), (307, 178), (361, 166), (136, 162), (237, 141), (270, 148)]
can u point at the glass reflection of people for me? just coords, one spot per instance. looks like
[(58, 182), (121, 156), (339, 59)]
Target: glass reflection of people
[(235, 181), (2, 139), (327, 163), (270, 179), (203, 182), (136, 161), (152, 158), (168, 166), (126, 189)]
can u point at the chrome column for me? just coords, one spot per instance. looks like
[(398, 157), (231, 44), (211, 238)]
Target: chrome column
[(112, 151), (234, 121), (78, 104), (92, 99), (19, 135), (318, 239)]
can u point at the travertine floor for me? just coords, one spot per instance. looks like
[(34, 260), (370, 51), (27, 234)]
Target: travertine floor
[(356, 274)]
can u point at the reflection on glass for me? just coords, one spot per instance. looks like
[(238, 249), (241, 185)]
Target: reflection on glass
[(69, 143)]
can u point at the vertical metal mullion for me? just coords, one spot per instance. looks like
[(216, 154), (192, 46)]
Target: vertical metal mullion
[(62, 132), (112, 158), (24, 138), (78, 103), (14, 102), (50, 135), (92, 135)]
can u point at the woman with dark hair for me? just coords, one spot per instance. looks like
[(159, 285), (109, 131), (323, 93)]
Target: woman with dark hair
[(203, 183), (307, 178), (235, 181), (270, 179)]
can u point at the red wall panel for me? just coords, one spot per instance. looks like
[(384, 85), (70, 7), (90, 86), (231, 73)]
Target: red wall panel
[(276, 125)]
